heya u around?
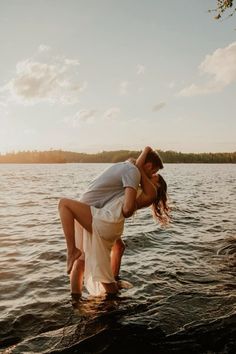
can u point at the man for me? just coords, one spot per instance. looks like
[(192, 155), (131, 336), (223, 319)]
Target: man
[(119, 179)]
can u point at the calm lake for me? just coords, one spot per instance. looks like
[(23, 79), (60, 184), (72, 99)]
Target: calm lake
[(184, 289)]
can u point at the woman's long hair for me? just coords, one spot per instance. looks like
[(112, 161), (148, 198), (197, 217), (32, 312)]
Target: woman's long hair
[(160, 206)]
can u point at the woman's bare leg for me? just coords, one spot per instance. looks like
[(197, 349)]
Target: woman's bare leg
[(70, 210)]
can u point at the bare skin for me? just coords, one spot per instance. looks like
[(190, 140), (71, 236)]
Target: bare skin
[(116, 255), (77, 276), (70, 210)]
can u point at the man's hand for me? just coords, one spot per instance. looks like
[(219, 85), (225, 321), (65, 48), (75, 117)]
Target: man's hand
[(132, 160)]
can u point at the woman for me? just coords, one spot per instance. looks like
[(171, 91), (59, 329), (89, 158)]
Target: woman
[(100, 228)]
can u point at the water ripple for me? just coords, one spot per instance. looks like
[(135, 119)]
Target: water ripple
[(183, 275)]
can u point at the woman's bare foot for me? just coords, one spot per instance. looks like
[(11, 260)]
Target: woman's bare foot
[(71, 257)]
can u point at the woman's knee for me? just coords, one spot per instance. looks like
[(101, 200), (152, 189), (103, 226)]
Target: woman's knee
[(62, 203)]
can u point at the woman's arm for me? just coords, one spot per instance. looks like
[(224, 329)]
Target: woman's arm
[(149, 191), (148, 188), (142, 157)]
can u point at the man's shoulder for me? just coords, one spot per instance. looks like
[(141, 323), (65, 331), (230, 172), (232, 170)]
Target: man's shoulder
[(123, 169), (127, 165)]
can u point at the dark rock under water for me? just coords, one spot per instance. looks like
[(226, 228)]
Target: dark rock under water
[(115, 330)]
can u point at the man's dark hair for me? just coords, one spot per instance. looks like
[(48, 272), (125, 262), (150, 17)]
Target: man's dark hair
[(155, 159)]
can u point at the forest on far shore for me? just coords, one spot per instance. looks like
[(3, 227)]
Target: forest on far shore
[(59, 156)]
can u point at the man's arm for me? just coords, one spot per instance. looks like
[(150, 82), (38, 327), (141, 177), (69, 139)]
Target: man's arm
[(129, 205)]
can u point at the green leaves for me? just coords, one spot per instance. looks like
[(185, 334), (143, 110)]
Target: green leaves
[(224, 7)]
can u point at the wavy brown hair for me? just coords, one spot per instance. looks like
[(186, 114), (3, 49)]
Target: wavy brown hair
[(160, 206)]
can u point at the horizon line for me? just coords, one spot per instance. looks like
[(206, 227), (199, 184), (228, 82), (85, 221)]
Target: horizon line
[(101, 151)]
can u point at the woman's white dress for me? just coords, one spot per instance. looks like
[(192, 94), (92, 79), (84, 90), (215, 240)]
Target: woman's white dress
[(107, 226)]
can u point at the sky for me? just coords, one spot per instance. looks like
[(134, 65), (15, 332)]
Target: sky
[(92, 75)]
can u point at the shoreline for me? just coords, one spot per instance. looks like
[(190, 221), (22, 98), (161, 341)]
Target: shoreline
[(59, 157)]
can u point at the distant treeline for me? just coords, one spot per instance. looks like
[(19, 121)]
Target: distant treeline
[(59, 156)]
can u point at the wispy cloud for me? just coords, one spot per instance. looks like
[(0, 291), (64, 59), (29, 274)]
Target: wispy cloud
[(171, 85), (82, 116), (111, 113), (158, 107), (43, 48), (140, 69), (3, 104), (72, 62), (85, 115), (44, 78), (124, 87), (89, 116), (29, 131), (220, 66)]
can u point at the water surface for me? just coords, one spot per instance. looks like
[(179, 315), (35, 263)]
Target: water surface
[(183, 276)]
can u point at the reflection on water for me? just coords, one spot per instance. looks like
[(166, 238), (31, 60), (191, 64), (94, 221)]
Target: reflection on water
[(183, 276)]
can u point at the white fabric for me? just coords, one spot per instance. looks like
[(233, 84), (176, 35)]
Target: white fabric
[(107, 226)]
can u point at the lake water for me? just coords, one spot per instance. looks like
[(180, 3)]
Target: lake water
[(184, 290)]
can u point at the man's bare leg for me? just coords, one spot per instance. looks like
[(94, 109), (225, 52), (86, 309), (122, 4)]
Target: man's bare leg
[(116, 255), (70, 210), (76, 277)]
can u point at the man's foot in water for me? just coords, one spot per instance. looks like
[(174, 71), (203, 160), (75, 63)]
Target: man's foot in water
[(75, 298)]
